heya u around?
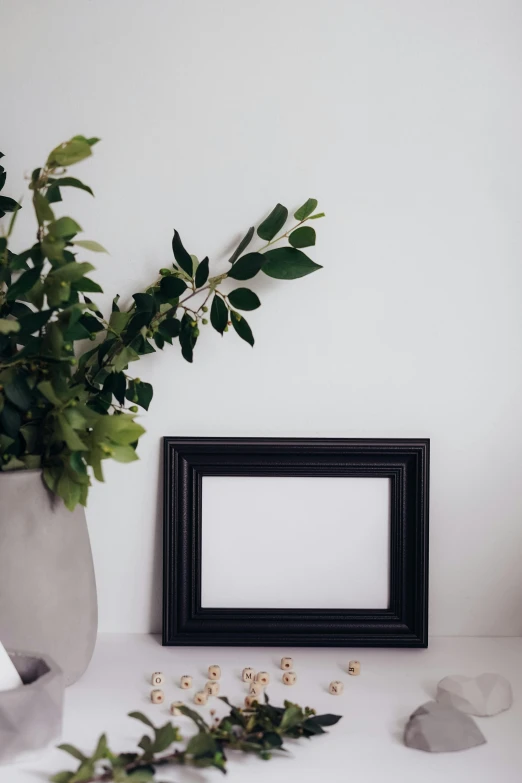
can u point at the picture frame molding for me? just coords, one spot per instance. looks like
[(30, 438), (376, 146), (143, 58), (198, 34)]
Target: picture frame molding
[(404, 461)]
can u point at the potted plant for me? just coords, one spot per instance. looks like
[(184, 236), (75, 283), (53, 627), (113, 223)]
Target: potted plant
[(69, 399)]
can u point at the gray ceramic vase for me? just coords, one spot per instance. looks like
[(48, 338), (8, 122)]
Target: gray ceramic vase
[(31, 716), (47, 586)]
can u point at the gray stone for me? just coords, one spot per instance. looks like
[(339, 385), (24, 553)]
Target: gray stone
[(436, 728), (31, 716), (47, 586), (485, 695)]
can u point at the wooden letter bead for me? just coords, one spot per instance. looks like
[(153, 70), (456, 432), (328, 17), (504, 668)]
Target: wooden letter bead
[(336, 687), (212, 688), (200, 697), (256, 689), (354, 668), (158, 679), (186, 681), (289, 678), (286, 663), (174, 708), (249, 701), (263, 678), (157, 696), (248, 675), (214, 673)]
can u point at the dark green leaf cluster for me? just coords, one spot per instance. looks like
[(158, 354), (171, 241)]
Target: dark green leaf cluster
[(66, 406), (260, 729)]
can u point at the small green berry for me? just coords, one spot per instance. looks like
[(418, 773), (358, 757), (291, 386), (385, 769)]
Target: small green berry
[(196, 332), (165, 271), (204, 321), (133, 408), (137, 380), (67, 346), (92, 336), (63, 283), (193, 323), (73, 360), (135, 398), (205, 309)]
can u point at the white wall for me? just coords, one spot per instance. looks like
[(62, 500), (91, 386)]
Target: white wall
[(404, 118)]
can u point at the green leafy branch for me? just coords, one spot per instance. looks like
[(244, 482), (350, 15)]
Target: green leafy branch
[(66, 408), (259, 729)]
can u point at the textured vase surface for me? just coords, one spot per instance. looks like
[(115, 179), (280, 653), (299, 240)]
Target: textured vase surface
[(47, 587)]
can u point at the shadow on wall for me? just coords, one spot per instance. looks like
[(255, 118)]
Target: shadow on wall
[(156, 600)]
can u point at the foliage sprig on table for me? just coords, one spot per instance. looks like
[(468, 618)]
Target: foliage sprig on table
[(259, 729), (66, 409)]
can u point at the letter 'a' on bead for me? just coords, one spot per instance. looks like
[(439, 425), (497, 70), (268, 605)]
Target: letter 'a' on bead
[(248, 674), (157, 696), (256, 689), (289, 678), (186, 682), (287, 664), (354, 668), (336, 687)]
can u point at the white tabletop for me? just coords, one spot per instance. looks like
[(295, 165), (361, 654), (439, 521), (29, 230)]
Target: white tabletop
[(365, 746)]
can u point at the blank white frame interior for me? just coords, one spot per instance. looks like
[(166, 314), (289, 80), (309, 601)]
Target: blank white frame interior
[(326, 541)]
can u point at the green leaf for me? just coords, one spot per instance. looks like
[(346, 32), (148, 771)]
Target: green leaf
[(302, 237), (18, 392), (165, 736), (71, 272), (142, 775), (241, 327), (88, 286), (68, 434), (124, 454), (306, 209), (43, 211), (141, 717), (69, 152), (172, 287), (125, 356), (144, 303), (140, 393), (242, 245), (9, 327), (202, 744), (287, 263), (72, 751), (34, 321), (327, 720), (90, 244), (71, 182), (62, 777), (187, 338), (201, 276), (273, 223), (183, 258), (64, 227), (118, 321), (293, 715), (218, 314), (46, 388), (24, 283), (247, 266), (318, 215), (53, 195), (8, 205), (91, 142), (244, 299), (169, 329)]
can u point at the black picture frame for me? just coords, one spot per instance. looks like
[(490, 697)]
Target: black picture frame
[(404, 461)]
